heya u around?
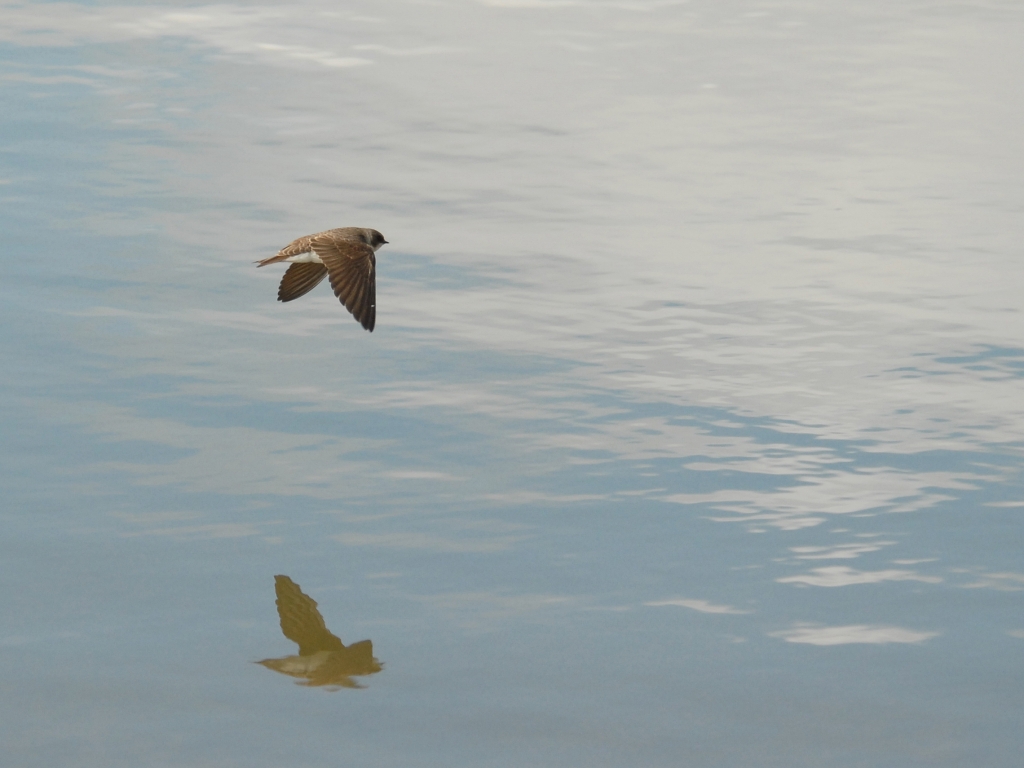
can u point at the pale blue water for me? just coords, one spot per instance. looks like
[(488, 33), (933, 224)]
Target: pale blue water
[(690, 434)]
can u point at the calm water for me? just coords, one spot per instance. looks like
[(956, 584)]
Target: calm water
[(690, 434)]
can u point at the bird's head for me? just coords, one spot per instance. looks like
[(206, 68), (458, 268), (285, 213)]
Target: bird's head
[(373, 238)]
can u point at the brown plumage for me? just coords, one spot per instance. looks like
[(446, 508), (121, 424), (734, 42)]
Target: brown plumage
[(347, 256), (300, 279)]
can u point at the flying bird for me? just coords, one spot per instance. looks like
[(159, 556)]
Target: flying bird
[(347, 255)]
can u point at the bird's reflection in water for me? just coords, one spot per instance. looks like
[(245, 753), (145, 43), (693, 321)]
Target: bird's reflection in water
[(323, 659)]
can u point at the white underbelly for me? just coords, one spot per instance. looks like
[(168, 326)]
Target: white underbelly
[(305, 258)]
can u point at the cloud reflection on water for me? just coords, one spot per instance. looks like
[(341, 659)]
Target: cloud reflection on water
[(697, 605), (843, 576), (854, 633)]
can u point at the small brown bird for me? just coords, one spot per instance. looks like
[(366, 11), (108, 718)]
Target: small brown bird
[(347, 255)]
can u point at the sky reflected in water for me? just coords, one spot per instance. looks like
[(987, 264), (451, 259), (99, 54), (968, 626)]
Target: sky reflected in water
[(690, 432)]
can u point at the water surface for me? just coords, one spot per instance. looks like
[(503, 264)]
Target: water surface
[(690, 432)]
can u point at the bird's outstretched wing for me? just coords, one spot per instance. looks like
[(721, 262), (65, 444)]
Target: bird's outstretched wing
[(300, 279), (353, 271), (301, 622)]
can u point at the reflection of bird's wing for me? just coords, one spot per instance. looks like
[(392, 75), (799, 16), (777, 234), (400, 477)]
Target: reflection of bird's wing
[(353, 270), (301, 622), (300, 279)]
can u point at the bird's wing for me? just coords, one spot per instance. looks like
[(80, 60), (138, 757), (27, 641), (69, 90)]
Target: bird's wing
[(353, 270), (300, 279), (301, 622)]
